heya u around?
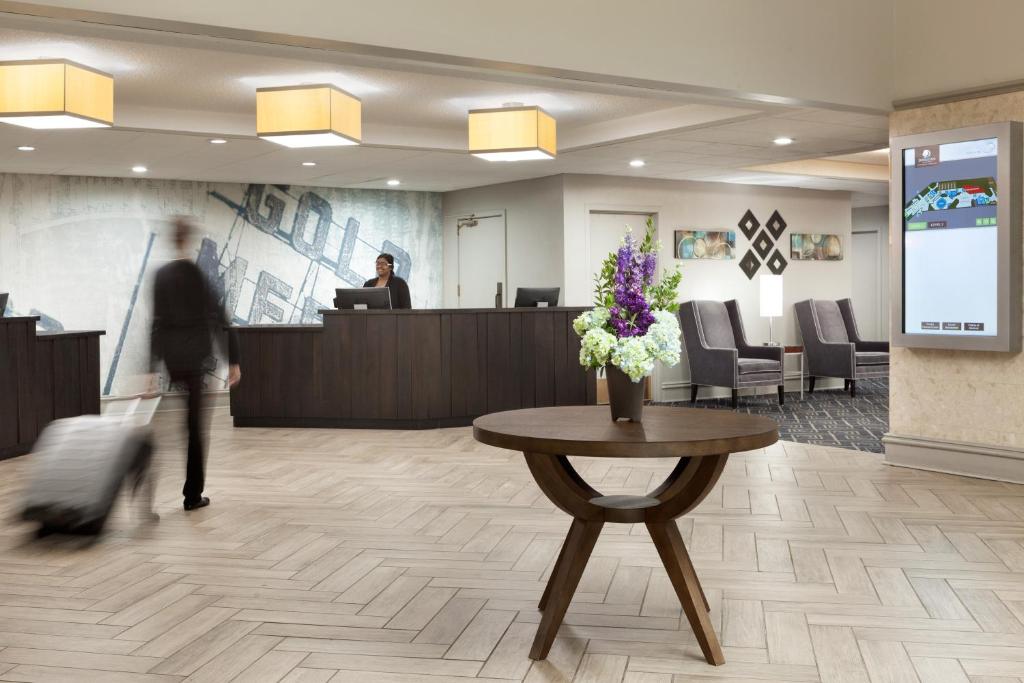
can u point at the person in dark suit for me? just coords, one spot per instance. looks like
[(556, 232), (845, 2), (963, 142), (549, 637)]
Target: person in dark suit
[(386, 278), (186, 318)]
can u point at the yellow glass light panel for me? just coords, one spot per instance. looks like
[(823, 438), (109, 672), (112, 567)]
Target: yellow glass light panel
[(55, 94), (308, 116), (512, 134)]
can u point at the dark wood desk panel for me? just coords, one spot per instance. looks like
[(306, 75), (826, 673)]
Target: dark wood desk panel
[(67, 375), (43, 377), (408, 369), (17, 389)]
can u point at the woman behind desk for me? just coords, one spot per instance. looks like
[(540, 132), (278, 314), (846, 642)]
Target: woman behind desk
[(386, 277)]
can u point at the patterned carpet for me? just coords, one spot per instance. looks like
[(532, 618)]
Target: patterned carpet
[(824, 418)]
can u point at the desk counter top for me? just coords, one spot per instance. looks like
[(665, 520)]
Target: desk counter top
[(58, 334)]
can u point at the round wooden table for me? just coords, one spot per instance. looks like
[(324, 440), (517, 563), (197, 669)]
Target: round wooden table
[(702, 441)]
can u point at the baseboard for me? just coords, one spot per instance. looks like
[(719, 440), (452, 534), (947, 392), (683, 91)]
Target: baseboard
[(680, 390), (953, 457), (176, 400)]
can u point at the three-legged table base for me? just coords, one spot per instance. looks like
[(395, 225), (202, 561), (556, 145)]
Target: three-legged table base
[(687, 485)]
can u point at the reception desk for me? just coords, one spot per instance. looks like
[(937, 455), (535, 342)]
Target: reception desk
[(44, 376), (408, 369)]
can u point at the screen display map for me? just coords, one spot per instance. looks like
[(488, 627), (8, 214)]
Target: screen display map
[(950, 239)]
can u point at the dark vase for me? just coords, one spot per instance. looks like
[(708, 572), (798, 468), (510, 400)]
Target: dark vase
[(625, 396)]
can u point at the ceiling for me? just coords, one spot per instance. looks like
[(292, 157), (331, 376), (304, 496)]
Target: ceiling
[(174, 92)]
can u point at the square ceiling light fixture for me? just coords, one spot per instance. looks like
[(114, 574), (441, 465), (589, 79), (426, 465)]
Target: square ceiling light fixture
[(309, 116), (55, 93), (512, 134)]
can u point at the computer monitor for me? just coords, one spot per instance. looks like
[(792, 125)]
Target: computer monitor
[(531, 297), (3, 303), (363, 297)]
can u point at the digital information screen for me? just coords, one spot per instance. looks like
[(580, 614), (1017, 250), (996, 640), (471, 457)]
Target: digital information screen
[(950, 239)]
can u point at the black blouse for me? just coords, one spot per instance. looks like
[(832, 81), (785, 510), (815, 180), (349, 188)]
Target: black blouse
[(399, 291)]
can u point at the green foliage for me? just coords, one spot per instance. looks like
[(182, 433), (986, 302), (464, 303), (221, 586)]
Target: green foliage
[(661, 295)]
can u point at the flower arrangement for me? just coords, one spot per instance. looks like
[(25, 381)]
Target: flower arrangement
[(633, 322)]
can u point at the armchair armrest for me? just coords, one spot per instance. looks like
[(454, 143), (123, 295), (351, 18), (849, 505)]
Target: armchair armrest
[(831, 359), (875, 346), (762, 352), (714, 366)]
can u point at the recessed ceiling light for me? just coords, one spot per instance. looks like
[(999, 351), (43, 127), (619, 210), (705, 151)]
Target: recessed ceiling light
[(139, 169), (309, 163), (217, 141), (26, 148), (638, 163), (783, 141), (394, 181)]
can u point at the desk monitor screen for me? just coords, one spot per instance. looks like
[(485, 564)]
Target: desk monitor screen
[(531, 297), (3, 303), (363, 298), (957, 207)]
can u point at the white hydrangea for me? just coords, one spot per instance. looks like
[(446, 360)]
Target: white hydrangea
[(663, 338), (635, 356), (596, 347), (631, 355), (589, 320)]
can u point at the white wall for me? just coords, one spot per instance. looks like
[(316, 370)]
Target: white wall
[(533, 241), (944, 46), (833, 51), (713, 206)]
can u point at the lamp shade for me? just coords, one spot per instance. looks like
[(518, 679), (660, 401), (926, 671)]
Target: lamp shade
[(309, 116), (55, 93), (512, 134), (771, 296)]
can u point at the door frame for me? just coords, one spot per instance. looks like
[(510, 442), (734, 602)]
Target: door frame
[(882, 315), (618, 210), (458, 218)]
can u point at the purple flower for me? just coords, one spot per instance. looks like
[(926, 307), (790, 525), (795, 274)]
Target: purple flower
[(631, 316)]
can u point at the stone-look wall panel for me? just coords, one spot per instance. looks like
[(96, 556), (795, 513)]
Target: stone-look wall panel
[(966, 396)]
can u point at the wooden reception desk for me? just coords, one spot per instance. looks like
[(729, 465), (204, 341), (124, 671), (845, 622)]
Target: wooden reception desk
[(408, 369), (44, 376)]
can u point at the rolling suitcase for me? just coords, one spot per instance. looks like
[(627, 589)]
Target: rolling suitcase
[(79, 464)]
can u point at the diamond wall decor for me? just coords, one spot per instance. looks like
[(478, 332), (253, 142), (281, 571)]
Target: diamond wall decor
[(749, 224), (776, 224), (777, 263), (763, 244), (749, 264)]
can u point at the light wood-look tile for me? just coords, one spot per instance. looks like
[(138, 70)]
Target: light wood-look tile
[(332, 555)]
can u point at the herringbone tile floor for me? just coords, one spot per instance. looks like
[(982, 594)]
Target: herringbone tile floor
[(419, 556)]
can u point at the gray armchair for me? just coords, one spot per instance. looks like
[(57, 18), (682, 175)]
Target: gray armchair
[(719, 354), (833, 345)]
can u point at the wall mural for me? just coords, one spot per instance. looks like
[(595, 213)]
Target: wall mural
[(80, 252)]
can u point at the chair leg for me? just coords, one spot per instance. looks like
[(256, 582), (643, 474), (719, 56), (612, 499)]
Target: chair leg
[(846, 385), (853, 388), (810, 385), (694, 388), (782, 395), (735, 399)]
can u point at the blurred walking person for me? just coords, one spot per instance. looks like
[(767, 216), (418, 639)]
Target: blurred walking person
[(186, 319)]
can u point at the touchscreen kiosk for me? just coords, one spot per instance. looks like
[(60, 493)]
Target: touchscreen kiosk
[(956, 221)]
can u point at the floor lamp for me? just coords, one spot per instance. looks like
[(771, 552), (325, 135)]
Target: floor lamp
[(771, 301)]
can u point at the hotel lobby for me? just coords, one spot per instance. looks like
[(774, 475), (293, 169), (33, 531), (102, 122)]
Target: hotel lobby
[(631, 342)]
